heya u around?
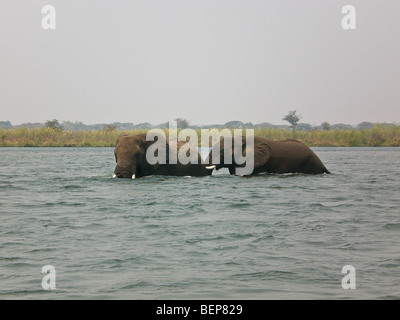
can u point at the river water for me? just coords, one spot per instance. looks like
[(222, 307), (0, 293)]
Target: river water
[(216, 237)]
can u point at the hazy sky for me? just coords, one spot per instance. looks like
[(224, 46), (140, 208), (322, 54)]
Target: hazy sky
[(209, 61)]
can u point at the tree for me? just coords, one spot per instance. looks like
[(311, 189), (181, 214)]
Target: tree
[(5, 125), (73, 126), (234, 124), (182, 123), (341, 126), (365, 125), (326, 126), (109, 127), (293, 119), (53, 124), (304, 127)]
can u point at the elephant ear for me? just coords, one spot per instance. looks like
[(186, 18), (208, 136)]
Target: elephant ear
[(162, 147), (262, 152)]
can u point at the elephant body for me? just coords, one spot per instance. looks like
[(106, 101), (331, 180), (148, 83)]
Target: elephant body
[(130, 156), (287, 156)]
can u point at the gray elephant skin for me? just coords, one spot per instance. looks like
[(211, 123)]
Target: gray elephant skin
[(131, 162), (286, 156)]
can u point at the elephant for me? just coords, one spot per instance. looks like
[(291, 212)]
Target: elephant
[(131, 159), (286, 156)]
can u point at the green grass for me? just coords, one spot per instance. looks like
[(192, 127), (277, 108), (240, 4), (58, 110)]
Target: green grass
[(47, 137)]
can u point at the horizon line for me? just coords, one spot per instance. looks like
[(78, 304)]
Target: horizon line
[(200, 125)]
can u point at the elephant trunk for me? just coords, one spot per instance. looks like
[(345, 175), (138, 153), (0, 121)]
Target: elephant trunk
[(125, 172)]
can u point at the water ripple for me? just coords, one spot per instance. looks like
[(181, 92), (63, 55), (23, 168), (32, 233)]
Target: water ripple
[(224, 237)]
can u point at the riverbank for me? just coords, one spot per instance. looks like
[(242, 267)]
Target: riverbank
[(378, 136)]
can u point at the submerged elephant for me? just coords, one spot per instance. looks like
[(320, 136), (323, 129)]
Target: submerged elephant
[(130, 156), (287, 156)]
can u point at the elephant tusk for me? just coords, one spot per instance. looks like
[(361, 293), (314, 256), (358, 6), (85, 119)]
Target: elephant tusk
[(211, 167), (114, 176), (133, 176)]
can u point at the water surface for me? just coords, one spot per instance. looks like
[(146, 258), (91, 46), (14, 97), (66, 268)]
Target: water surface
[(217, 237)]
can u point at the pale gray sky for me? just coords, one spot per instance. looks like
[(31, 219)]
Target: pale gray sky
[(209, 61)]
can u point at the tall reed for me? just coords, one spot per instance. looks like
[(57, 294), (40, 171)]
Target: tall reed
[(47, 137)]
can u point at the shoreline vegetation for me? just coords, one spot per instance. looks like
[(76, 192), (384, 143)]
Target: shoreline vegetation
[(377, 136)]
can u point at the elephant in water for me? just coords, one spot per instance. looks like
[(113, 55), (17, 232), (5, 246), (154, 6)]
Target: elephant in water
[(287, 156), (132, 161)]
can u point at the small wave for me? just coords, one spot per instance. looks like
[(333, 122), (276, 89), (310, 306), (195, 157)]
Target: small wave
[(150, 203), (240, 204), (15, 265), (10, 258), (24, 293), (241, 235), (393, 296), (42, 250), (348, 246), (72, 186), (274, 274), (138, 284), (12, 187), (392, 226), (321, 206), (226, 248), (390, 263), (205, 239), (338, 203), (264, 238), (54, 204), (117, 263)]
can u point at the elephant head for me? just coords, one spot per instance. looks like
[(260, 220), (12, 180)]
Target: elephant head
[(136, 157), (238, 154), (130, 156)]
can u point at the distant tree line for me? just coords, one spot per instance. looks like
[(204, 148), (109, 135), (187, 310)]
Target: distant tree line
[(293, 118)]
